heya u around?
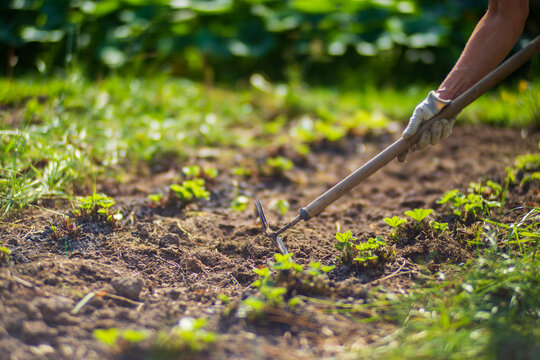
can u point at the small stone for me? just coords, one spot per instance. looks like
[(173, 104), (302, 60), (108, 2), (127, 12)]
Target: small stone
[(169, 240), (129, 287)]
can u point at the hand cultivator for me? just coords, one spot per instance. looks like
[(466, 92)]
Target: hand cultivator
[(399, 146)]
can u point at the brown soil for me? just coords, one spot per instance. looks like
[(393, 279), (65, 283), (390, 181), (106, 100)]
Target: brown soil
[(162, 264)]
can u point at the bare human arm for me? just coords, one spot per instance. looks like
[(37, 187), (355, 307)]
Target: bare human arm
[(492, 39)]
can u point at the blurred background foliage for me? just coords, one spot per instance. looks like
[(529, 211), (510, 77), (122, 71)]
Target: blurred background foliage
[(325, 41)]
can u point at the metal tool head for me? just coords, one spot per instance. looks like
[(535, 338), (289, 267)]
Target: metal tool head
[(267, 231)]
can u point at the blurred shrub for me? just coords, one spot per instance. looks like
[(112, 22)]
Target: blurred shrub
[(230, 39)]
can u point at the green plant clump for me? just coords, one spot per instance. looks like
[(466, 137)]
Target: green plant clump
[(240, 203), (279, 164), (189, 336), (478, 201), (279, 284), (369, 253), (5, 254), (97, 206), (190, 190), (113, 336)]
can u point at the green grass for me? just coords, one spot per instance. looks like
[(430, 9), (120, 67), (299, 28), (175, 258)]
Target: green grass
[(58, 132), (490, 310)]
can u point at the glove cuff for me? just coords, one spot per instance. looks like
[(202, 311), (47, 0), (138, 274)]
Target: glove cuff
[(439, 103)]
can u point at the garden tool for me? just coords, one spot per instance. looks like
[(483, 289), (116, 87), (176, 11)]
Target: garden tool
[(400, 145)]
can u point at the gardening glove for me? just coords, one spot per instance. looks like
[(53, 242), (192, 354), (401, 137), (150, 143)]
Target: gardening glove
[(441, 129)]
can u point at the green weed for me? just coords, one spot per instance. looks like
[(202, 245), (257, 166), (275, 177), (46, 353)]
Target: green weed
[(193, 171), (418, 215), (279, 284), (65, 229), (190, 190), (188, 336), (522, 234), (345, 244), (240, 203), (526, 168), (97, 206), (279, 164), (439, 227), (242, 171), (156, 199), (489, 310), (478, 201), (282, 206), (395, 223), (372, 252), (113, 336), (5, 254)]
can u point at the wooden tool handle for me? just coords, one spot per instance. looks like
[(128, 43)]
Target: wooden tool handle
[(401, 145)]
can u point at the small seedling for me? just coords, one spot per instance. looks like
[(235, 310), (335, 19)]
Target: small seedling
[(345, 244), (278, 284), (66, 229), (224, 298), (113, 336), (188, 336), (281, 205), (190, 190), (371, 251), (210, 172), (5, 253), (395, 222), (316, 269), (418, 214), (285, 262), (192, 171), (156, 198), (279, 164), (94, 206), (240, 203), (367, 253), (242, 171), (439, 227), (195, 171), (474, 204)]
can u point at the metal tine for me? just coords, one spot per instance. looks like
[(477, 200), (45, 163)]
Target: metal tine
[(262, 216), (274, 237), (280, 245)]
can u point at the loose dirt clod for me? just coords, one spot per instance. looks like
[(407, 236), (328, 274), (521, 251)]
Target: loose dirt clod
[(129, 287)]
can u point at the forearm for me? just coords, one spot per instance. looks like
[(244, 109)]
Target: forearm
[(492, 39)]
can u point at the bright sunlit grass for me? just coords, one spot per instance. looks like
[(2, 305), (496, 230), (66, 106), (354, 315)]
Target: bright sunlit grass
[(60, 130)]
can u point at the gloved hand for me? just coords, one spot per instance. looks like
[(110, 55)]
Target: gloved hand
[(441, 129)]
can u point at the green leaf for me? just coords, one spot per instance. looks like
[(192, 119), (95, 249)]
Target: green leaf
[(327, 268), (418, 214), (240, 203), (395, 221), (134, 336), (449, 195), (107, 336)]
